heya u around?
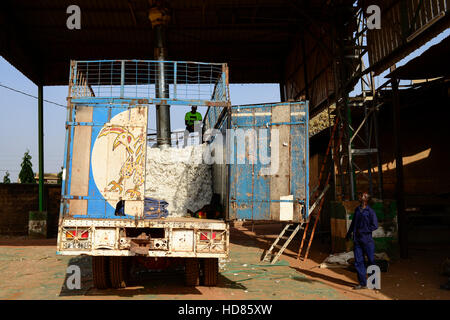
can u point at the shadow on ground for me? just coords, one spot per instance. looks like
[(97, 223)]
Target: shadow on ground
[(147, 284), (25, 241)]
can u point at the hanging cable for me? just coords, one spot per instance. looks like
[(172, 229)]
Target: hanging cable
[(29, 95)]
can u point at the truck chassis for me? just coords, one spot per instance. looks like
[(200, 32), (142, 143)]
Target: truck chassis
[(197, 243)]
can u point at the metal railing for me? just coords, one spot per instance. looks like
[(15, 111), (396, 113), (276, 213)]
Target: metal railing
[(192, 82)]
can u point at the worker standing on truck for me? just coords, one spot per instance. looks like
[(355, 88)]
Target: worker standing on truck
[(190, 119), (360, 231)]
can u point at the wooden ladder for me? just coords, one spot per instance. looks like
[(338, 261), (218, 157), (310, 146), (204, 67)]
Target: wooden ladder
[(318, 203), (319, 200)]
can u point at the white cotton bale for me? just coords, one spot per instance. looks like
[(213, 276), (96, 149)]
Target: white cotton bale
[(180, 177)]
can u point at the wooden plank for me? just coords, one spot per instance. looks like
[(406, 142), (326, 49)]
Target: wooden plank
[(379, 44), (428, 10), (81, 153), (375, 47), (77, 207), (411, 7), (134, 208), (279, 182), (422, 14), (398, 27), (435, 7), (389, 36), (384, 49)]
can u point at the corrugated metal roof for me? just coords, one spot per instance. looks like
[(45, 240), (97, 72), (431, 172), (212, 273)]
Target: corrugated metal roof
[(252, 36), (433, 63)]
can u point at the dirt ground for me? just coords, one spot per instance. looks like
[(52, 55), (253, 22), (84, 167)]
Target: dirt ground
[(30, 269)]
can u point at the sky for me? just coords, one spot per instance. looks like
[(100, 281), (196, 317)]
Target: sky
[(19, 126)]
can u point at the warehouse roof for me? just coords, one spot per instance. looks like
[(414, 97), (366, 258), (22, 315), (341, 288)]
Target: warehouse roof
[(252, 36), (433, 63)]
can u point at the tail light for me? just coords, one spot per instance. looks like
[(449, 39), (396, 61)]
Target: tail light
[(84, 234), (206, 235), (81, 234)]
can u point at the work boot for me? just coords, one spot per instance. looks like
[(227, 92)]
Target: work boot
[(359, 287)]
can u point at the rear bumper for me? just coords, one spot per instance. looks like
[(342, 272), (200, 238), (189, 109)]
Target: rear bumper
[(183, 237), (156, 254)]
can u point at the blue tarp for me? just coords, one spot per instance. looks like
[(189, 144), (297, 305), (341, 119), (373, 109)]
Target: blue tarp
[(154, 208)]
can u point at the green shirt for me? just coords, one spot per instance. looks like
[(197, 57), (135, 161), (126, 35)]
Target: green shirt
[(191, 117)]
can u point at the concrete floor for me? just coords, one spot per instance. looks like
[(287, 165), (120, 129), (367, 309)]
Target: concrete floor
[(29, 269)]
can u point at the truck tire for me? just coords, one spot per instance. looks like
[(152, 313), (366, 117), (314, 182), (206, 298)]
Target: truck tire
[(192, 274), (100, 272), (118, 270), (210, 271)]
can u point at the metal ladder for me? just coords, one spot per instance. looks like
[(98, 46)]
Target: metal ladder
[(290, 227)]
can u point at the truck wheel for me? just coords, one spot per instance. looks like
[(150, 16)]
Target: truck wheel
[(100, 272), (192, 275), (210, 271), (118, 270)]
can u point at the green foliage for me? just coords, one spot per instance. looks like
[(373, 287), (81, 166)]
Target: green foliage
[(60, 177), (6, 178), (26, 174)]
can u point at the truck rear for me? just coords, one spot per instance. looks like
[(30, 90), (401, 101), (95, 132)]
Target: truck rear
[(115, 205), (105, 211)]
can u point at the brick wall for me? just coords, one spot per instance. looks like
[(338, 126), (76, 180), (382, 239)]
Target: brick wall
[(16, 200)]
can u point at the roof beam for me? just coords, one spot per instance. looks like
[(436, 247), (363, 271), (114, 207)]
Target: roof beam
[(17, 34)]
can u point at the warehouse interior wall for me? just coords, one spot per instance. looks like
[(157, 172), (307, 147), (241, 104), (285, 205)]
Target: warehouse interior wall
[(424, 138)]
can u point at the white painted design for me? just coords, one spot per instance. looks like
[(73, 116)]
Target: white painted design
[(118, 157)]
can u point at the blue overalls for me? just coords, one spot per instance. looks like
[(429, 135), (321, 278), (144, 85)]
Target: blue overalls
[(363, 223)]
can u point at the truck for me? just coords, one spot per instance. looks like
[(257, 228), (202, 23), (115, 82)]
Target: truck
[(104, 168)]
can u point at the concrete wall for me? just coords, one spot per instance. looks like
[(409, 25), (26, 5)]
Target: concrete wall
[(16, 200)]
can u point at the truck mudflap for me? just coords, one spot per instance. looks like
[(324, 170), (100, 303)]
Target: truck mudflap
[(182, 237)]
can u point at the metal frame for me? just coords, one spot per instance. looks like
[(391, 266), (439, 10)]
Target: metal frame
[(349, 69), (136, 82), (168, 224)]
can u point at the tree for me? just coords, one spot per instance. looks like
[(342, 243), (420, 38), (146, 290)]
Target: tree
[(6, 178), (60, 177), (26, 174)]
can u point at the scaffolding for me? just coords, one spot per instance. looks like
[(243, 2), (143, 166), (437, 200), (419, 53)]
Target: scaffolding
[(354, 140)]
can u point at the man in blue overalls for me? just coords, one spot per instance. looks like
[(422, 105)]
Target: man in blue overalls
[(363, 223)]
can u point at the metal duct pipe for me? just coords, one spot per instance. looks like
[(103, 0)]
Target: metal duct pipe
[(162, 90)]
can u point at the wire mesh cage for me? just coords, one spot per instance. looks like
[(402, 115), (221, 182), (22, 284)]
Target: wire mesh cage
[(150, 79)]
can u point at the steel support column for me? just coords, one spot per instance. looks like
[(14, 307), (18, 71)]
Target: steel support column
[(162, 90), (282, 91), (41, 145), (399, 185)]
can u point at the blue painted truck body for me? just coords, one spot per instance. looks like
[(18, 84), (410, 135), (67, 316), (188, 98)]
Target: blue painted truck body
[(245, 192), (105, 161), (251, 194)]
